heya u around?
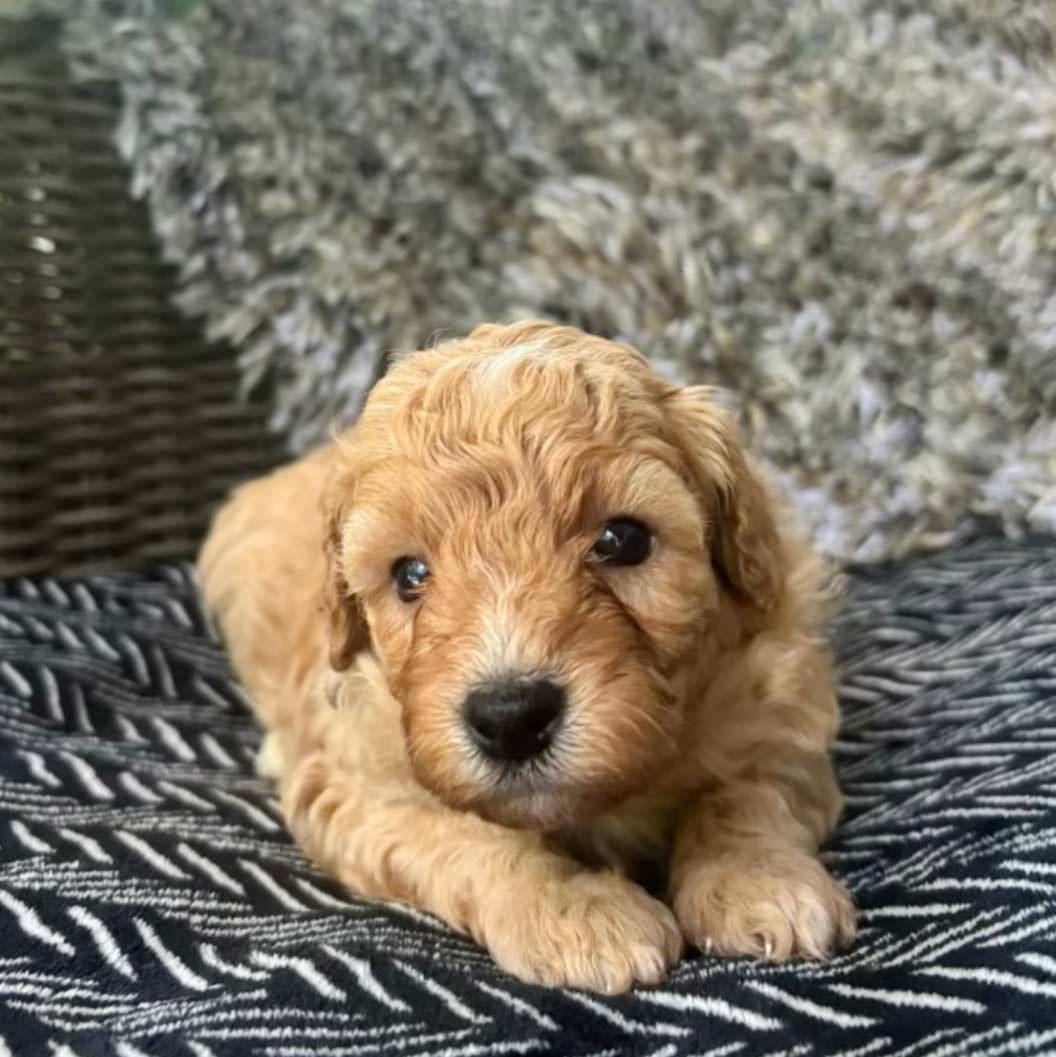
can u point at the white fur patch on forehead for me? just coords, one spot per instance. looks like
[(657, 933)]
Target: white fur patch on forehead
[(494, 371)]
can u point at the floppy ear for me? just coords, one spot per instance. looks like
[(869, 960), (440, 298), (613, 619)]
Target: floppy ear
[(744, 543), (347, 627)]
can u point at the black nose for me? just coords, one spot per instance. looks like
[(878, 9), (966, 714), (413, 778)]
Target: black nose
[(514, 719)]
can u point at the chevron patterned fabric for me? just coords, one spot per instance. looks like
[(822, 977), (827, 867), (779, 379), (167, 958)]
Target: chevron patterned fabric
[(151, 904)]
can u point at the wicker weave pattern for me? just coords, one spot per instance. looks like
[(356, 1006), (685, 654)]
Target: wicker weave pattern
[(119, 429)]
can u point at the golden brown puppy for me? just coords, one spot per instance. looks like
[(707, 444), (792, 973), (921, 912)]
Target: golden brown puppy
[(527, 631)]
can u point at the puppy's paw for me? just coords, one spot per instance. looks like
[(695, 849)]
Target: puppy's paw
[(592, 931), (774, 906)]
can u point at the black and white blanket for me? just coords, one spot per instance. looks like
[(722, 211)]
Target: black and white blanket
[(152, 904)]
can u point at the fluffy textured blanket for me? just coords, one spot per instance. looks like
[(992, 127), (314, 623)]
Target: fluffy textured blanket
[(842, 212)]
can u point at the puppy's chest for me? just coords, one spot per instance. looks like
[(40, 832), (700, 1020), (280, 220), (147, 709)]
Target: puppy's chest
[(635, 838)]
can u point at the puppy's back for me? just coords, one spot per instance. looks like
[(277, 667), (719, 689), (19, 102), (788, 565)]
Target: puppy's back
[(262, 569)]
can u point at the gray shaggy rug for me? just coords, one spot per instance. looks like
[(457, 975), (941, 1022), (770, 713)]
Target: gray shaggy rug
[(840, 210)]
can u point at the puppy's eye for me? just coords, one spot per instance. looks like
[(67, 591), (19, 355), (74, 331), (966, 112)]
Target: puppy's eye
[(410, 575), (623, 541)]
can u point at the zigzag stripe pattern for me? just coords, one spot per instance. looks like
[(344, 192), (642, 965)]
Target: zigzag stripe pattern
[(151, 903)]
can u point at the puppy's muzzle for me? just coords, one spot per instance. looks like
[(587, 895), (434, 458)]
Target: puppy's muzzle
[(515, 718)]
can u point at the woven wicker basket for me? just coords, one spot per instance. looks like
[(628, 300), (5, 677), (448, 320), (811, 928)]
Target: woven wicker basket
[(119, 428)]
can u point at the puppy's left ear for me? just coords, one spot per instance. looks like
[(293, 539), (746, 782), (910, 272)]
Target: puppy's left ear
[(744, 543)]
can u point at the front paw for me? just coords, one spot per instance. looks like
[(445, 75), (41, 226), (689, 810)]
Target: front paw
[(775, 906), (592, 931)]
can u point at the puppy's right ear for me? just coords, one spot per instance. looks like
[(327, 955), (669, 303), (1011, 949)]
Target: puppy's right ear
[(746, 549), (347, 627)]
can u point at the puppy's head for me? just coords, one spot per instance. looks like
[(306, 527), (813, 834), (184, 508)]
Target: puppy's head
[(536, 537)]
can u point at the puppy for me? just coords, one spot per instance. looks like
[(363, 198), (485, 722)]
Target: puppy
[(528, 632)]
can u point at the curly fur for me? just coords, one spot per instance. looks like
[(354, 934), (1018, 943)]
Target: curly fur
[(700, 709)]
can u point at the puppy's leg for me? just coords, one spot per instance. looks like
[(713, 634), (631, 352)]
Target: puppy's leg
[(745, 876), (542, 916)]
